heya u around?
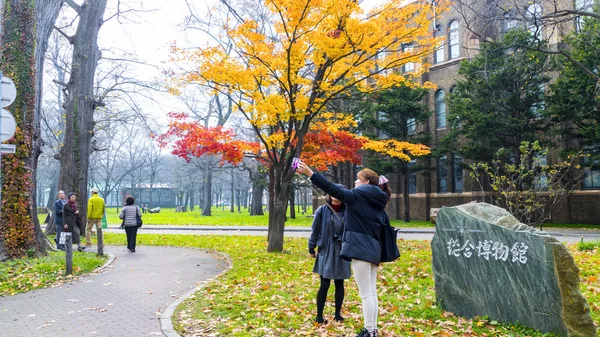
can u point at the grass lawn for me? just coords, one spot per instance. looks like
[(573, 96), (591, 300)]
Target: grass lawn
[(20, 275), (221, 217), (269, 294)]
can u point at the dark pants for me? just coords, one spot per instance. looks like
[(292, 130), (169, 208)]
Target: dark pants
[(131, 236), (59, 228)]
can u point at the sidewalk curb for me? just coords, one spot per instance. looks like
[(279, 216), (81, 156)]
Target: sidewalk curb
[(166, 319), (111, 259)]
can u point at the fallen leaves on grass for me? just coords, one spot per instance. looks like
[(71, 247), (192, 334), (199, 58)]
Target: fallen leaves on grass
[(270, 294), (20, 275)]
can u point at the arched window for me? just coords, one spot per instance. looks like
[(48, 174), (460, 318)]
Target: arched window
[(438, 56), (440, 109), (533, 17), (453, 40)]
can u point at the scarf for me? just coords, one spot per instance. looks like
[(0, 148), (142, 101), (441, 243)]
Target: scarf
[(73, 205)]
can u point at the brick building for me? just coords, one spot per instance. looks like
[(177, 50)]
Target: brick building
[(445, 183)]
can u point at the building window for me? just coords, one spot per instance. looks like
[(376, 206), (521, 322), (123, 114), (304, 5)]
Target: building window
[(541, 180), (440, 109), (458, 174), (453, 40), (411, 126), (584, 6), (533, 17), (409, 66), (412, 178), (442, 174), (439, 55), (591, 174)]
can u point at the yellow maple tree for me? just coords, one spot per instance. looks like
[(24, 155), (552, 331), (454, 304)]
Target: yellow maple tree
[(315, 51)]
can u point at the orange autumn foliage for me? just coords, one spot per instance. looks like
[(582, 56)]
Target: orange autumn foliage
[(282, 81), (192, 139)]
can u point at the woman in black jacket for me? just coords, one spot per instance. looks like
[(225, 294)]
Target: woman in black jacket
[(365, 217), (326, 235), (72, 221)]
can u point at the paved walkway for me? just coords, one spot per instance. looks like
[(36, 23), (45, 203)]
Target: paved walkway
[(125, 299), (563, 235)]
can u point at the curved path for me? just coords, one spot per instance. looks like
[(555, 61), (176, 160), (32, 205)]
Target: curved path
[(124, 299)]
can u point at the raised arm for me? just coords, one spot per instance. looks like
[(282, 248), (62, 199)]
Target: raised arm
[(347, 196)]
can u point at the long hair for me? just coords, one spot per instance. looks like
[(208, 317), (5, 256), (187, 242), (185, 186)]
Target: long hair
[(373, 178)]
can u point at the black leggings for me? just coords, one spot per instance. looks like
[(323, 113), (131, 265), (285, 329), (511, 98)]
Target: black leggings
[(322, 295), (131, 232)]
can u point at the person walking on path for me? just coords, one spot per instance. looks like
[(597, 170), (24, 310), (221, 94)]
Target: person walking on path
[(326, 235), (59, 204), (129, 214), (95, 212), (361, 241), (72, 220)]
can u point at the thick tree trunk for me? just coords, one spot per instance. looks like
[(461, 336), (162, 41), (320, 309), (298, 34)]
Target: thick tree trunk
[(52, 195), (19, 226), (206, 206), (281, 188), (80, 102)]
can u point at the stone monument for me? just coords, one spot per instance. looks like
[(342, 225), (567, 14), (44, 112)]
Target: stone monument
[(486, 263)]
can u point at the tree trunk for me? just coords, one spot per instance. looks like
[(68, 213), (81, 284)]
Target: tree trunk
[(405, 192), (191, 193), (20, 56), (281, 187), (80, 102), (258, 179), (292, 203), (206, 206), (232, 207)]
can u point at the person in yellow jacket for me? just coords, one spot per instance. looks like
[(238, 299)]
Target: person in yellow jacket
[(95, 211)]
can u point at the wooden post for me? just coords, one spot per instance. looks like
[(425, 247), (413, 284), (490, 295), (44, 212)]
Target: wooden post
[(100, 239), (69, 253)]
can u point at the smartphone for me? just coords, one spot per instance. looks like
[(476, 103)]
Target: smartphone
[(295, 163)]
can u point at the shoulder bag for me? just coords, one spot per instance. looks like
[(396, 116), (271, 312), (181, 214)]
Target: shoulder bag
[(138, 218), (389, 245)]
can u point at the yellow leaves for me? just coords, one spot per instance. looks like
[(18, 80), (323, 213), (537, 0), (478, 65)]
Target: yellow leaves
[(320, 46), (397, 149), (276, 140)]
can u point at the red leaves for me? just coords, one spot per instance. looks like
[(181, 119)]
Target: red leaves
[(192, 139), (324, 147)]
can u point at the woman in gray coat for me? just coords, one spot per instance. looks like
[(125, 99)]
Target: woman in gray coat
[(327, 230), (128, 215)]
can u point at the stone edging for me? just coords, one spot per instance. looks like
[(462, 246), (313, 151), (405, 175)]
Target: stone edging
[(166, 323), (111, 259)]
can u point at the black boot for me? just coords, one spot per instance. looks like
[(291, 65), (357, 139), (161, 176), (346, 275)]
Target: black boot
[(319, 320), (364, 333)]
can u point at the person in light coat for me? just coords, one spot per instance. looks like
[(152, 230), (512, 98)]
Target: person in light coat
[(128, 215)]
